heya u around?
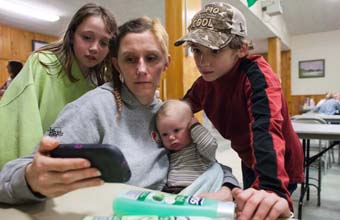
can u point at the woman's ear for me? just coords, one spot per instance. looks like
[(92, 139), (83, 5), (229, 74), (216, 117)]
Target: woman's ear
[(116, 66), (166, 66)]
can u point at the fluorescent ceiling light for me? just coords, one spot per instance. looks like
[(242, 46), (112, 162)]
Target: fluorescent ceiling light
[(28, 11)]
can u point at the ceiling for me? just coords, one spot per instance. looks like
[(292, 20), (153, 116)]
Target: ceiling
[(311, 16), (301, 16)]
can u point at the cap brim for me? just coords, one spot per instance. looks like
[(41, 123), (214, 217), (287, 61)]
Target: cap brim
[(207, 38)]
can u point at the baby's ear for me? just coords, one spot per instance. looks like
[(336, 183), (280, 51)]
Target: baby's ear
[(156, 137)]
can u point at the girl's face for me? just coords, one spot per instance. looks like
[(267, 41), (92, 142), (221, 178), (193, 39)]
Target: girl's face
[(91, 42), (141, 61), (213, 64)]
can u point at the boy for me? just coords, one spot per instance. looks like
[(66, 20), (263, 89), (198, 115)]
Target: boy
[(192, 148), (243, 99)]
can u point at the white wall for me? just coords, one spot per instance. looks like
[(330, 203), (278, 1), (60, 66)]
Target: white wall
[(260, 25), (130, 9), (276, 24), (325, 45)]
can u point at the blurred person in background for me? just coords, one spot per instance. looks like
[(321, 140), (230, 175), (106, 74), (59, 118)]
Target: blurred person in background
[(330, 105), (13, 68)]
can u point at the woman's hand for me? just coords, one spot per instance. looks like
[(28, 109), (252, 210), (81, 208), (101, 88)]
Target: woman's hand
[(259, 204), (224, 194), (53, 177)]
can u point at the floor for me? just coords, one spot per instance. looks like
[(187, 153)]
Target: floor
[(330, 194)]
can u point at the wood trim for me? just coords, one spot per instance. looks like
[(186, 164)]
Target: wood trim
[(286, 77), (175, 26), (297, 102), (274, 54)]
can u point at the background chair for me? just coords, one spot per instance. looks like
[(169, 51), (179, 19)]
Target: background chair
[(320, 164)]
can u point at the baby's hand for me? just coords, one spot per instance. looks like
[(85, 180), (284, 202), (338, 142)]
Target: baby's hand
[(223, 194)]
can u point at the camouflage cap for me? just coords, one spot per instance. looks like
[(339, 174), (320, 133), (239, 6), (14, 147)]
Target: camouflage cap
[(215, 26)]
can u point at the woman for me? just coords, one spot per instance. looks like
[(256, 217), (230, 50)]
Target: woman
[(118, 113), (54, 76)]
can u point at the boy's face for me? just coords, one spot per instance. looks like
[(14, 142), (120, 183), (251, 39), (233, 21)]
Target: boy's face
[(174, 131), (213, 64)]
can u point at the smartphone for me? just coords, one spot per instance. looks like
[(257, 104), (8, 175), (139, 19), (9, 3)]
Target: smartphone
[(108, 159)]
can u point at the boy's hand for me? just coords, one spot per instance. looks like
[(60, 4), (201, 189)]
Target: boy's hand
[(259, 204)]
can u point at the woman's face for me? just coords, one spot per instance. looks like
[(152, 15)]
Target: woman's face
[(141, 61), (91, 42)]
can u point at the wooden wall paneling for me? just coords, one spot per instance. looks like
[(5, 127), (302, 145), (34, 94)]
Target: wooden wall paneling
[(286, 77), (163, 86), (3, 71), (175, 26), (190, 70), (21, 44), (45, 38), (182, 71), (5, 42)]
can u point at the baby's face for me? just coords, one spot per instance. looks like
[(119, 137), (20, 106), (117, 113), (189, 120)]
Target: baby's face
[(174, 132)]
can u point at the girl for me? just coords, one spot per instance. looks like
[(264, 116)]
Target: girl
[(54, 76)]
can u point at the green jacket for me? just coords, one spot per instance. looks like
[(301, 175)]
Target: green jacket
[(32, 103)]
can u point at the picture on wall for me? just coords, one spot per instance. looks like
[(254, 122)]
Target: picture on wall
[(312, 68), (36, 44)]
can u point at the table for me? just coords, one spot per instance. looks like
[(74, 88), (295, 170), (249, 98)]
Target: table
[(75, 205), (306, 132), (71, 206), (328, 118), (317, 131)]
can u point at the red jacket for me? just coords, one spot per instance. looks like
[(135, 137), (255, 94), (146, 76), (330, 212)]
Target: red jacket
[(247, 107)]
